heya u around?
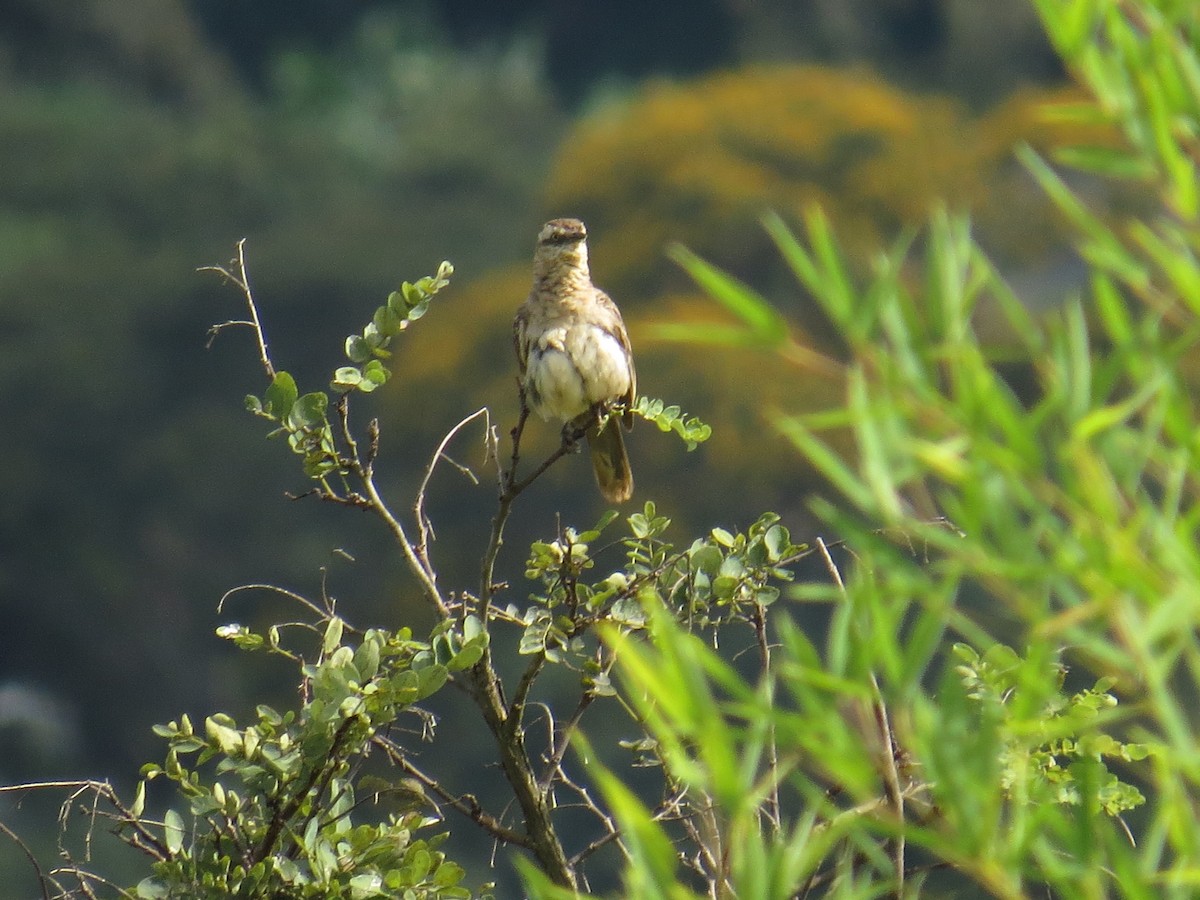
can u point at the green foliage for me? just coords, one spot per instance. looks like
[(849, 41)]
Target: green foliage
[(718, 580), (271, 808), (1060, 515), (691, 430), (370, 349), (276, 807), (289, 805), (304, 419), (1047, 745), (1141, 66), (1065, 475), (697, 163)]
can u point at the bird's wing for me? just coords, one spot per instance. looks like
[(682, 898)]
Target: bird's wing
[(520, 341), (615, 325)]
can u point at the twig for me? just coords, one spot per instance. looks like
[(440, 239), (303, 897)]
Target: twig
[(41, 877), (516, 709), (140, 837), (83, 878), (426, 577), (611, 831), (510, 489), (486, 691), (561, 740), (279, 820), (568, 446), (887, 753), (284, 592), (772, 809), (504, 507), (465, 804), (423, 523), (242, 280)]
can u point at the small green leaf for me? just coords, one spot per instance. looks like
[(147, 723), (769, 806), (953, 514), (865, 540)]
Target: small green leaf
[(333, 635), (466, 657), (473, 628), (366, 660), (412, 295), (309, 411), (374, 374), (346, 378), (777, 541), (448, 874), (430, 680), (388, 322), (173, 831), (707, 559), (357, 349), (280, 396), (149, 889), (139, 801)]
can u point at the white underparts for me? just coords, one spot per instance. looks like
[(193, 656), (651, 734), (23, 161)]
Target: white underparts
[(573, 367)]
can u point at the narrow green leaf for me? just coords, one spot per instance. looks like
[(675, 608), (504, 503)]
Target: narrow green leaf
[(713, 334), (1108, 161), (825, 459), (763, 321), (832, 286)]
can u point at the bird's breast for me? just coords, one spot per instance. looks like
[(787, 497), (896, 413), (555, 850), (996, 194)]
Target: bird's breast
[(572, 367)]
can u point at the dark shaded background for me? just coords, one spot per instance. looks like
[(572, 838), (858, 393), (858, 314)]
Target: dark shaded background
[(355, 144)]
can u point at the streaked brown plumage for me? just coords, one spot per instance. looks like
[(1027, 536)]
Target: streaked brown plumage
[(573, 352)]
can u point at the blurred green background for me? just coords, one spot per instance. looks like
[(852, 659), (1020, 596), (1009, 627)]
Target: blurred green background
[(355, 144)]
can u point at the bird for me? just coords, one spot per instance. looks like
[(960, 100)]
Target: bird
[(573, 354)]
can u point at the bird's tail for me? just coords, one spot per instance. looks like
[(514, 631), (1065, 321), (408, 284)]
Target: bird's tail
[(610, 461)]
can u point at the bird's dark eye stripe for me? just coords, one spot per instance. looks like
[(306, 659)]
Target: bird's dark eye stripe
[(563, 237)]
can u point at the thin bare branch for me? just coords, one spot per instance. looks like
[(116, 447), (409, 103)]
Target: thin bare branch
[(424, 526), (771, 809), (561, 740), (465, 804), (886, 743), (283, 592), (242, 279), (41, 876)]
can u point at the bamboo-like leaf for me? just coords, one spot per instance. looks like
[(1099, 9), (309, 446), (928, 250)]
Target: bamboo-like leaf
[(761, 319)]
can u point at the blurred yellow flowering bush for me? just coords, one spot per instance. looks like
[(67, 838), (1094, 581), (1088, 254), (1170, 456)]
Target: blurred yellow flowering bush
[(698, 163)]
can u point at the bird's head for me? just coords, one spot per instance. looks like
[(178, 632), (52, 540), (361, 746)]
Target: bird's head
[(561, 249), (562, 232)]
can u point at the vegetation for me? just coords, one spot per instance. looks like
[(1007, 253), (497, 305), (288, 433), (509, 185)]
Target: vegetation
[(697, 163), (987, 684), (911, 731)]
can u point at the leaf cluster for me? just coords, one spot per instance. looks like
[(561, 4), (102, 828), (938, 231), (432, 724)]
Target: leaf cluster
[(1040, 494), (671, 418), (1056, 748), (304, 419), (281, 806), (369, 350), (718, 580)]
